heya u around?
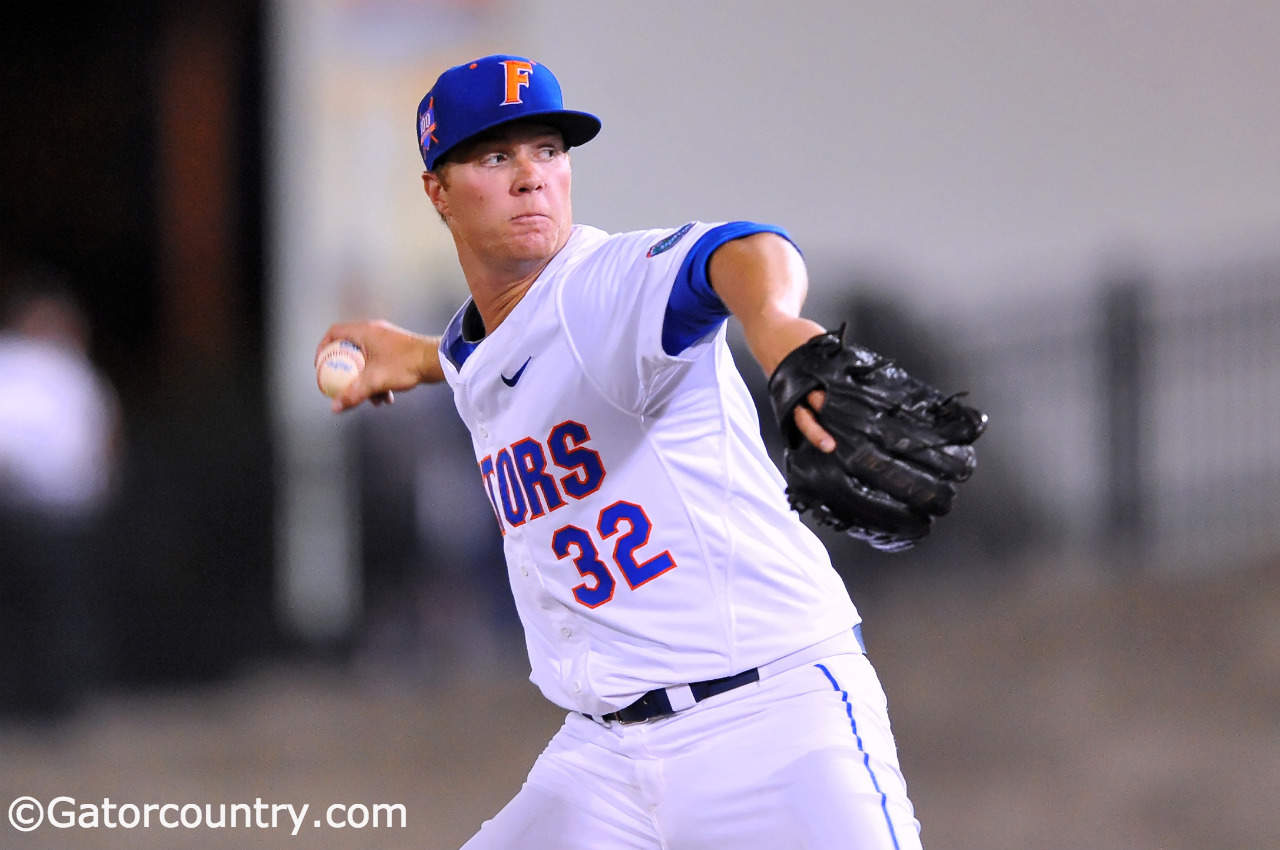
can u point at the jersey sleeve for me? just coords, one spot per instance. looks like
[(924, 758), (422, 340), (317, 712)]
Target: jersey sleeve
[(693, 308), (640, 307)]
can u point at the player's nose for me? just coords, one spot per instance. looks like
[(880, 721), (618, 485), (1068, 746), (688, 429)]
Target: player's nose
[(528, 174)]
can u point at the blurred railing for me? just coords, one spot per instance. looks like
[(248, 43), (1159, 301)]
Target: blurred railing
[(1143, 415)]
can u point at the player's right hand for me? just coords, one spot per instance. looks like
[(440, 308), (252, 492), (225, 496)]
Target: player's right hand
[(395, 360)]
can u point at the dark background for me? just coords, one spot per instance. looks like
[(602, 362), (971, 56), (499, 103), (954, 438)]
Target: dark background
[(131, 168)]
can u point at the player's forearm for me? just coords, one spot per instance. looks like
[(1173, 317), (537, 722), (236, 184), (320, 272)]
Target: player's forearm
[(763, 281)]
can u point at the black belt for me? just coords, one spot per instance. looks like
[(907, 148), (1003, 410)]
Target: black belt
[(658, 704)]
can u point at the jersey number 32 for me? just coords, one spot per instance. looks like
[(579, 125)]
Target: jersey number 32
[(600, 584)]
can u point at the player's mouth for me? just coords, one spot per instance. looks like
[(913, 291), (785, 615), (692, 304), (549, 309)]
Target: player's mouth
[(528, 218)]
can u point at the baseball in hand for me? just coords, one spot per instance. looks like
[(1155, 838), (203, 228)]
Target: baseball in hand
[(337, 365)]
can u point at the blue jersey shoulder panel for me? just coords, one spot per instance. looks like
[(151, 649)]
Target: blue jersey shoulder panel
[(694, 309)]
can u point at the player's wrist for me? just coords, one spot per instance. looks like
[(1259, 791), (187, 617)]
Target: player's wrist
[(772, 343), (429, 370)]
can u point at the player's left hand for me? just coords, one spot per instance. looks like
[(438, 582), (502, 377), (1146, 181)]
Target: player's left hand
[(807, 422), (901, 446), (771, 338)]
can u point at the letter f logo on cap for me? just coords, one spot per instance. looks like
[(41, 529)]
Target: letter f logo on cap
[(517, 74)]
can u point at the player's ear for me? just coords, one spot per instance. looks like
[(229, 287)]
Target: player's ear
[(434, 186)]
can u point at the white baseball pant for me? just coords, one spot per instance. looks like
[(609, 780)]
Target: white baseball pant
[(802, 759)]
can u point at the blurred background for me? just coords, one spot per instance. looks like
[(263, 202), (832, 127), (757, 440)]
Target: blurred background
[(212, 589)]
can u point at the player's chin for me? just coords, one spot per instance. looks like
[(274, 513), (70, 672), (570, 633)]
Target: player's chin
[(534, 236)]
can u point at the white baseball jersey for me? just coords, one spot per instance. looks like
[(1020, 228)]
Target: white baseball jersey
[(647, 535)]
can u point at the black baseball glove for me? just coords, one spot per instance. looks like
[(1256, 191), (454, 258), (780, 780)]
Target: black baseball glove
[(901, 445)]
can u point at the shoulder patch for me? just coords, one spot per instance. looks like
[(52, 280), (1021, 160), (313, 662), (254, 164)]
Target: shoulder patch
[(666, 242)]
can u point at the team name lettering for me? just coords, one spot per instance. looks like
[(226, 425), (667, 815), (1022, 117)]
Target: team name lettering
[(521, 487)]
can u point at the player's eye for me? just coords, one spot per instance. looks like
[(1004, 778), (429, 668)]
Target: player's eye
[(493, 158)]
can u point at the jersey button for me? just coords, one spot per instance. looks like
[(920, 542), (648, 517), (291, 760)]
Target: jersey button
[(566, 632)]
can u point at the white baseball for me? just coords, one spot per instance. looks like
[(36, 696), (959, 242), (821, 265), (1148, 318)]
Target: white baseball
[(337, 365)]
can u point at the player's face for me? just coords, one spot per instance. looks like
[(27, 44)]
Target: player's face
[(506, 197)]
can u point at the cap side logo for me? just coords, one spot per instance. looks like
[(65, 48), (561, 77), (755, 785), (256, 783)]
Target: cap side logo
[(427, 126), (517, 77)]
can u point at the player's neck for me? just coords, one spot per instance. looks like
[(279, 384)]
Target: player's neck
[(495, 296), (496, 288), (495, 306)]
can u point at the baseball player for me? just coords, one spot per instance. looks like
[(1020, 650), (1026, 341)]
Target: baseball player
[(709, 657)]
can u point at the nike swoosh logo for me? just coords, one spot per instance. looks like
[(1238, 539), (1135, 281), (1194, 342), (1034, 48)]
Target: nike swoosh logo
[(511, 382)]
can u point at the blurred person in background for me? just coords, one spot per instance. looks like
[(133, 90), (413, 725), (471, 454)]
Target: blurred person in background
[(59, 439)]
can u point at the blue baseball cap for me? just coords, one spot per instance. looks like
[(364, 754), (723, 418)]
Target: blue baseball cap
[(479, 95)]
